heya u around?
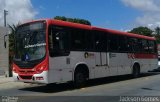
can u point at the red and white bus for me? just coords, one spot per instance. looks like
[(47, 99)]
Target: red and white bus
[(53, 51)]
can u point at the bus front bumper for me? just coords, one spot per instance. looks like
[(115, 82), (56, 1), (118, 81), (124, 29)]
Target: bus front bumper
[(35, 78)]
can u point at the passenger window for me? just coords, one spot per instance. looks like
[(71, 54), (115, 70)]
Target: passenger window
[(101, 41), (78, 39), (122, 44), (151, 46), (113, 43), (89, 40), (145, 46), (137, 44)]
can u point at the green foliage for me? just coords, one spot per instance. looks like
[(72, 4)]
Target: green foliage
[(158, 38), (11, 45), (142, 31), (157, 34), (74, 20)]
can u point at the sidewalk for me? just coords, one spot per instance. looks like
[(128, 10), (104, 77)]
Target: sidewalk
[(4, 79)]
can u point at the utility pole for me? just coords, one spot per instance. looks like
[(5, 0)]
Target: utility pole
[(5, 14), (8, 72)]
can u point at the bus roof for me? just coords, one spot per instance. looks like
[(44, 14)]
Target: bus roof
[(87, 27), (70, 24), (123, 33)]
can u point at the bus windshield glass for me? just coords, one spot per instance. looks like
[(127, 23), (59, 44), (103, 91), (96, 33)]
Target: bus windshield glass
[(30, 42)]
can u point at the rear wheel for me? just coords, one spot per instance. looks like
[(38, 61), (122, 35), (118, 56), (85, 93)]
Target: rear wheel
[(136, 71)]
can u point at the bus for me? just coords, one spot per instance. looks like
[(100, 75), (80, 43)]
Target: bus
[(53, 51), (158, 46)]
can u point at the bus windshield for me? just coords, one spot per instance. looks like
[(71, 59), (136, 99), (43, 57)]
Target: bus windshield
[(30, 42)]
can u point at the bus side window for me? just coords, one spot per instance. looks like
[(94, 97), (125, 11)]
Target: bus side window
[(58, 41), (78, 39), (89, 41), (155, 48), (137, 45), (122, 44), (145, 46), (129, 44), (97, 41), (151, 46), (113, 43), (50, 39), (104, 39), (100, 41)]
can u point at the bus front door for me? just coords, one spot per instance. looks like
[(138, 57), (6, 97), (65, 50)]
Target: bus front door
[(101, 65)]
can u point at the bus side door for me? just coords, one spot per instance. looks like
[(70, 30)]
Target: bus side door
[(119, 63), (101, 66)]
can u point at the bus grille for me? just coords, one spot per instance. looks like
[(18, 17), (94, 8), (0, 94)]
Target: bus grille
[(26, 72), (26, 77)]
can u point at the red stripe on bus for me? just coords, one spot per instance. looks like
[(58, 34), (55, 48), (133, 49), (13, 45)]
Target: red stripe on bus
[(145, 56), (123, 33)]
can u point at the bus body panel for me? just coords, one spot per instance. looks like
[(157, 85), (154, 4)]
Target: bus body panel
[(101, 65), (112, 64), (147, 62), (121, 62), (59, 69)]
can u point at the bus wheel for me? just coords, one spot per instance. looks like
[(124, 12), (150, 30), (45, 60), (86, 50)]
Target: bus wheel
[(79, 79), (136, 71)]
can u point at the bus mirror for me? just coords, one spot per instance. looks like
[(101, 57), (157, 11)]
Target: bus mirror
[(5, 44)]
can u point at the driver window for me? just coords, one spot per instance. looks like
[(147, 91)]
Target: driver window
[(58, 40)]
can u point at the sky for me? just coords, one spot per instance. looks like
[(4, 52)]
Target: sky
[(114, 14)]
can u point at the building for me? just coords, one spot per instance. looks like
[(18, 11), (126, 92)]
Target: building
[(4, 52)]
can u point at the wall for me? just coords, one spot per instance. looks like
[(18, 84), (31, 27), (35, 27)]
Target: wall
[(4, 58)]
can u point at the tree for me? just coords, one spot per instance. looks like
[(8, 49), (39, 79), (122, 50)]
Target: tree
[(158, 38), (142, 31), (61, 18), (74, 20), (157, 30)]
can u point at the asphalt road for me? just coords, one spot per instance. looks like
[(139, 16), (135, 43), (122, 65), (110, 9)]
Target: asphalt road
[(111, 89)]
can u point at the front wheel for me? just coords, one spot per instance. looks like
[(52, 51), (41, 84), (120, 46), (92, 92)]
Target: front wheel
[(79, 79), (136, 71)]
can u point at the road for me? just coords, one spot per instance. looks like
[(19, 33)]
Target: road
[(101, 90)]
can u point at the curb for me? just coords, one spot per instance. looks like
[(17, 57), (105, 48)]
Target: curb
[(4, 79)]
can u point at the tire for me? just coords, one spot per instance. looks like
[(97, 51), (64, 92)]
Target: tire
[(136, 71), (79, 79)]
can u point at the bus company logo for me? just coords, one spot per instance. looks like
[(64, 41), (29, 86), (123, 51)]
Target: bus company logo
[(88, 55), (131, 56)]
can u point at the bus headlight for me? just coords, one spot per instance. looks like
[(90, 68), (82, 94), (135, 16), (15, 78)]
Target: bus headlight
[(41, 69), (14, 70)]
